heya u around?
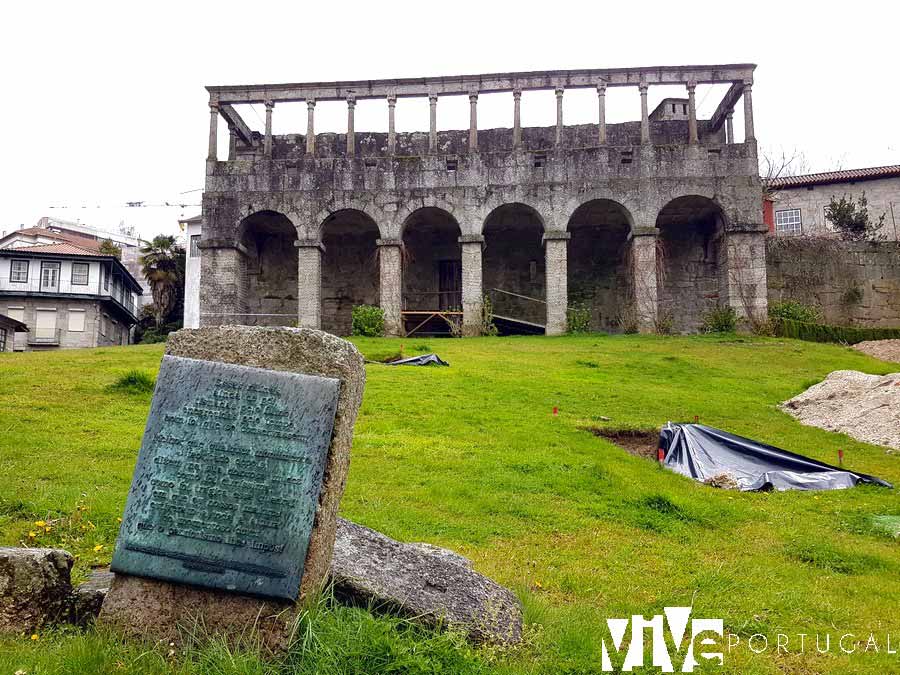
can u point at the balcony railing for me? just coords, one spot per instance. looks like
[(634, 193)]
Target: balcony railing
[(44, 338)]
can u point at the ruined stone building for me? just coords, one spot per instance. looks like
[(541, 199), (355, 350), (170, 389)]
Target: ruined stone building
[(656, 220)]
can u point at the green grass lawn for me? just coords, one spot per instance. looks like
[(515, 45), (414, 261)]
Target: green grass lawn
[(471, 457)]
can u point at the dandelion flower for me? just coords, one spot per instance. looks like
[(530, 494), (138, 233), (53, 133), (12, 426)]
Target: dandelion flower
[(98, 547), (47, 529), (34, 636), (32, 535), (40, 523)]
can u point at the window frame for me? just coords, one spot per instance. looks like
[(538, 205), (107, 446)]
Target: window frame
[(79, 312), (12, 264), (3, 338), (194, 246), (87, 274), (790, 228)]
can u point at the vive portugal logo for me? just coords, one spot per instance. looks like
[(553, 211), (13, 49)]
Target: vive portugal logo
[(688, 641)]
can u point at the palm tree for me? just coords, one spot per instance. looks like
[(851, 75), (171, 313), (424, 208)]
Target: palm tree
[(160, 265)]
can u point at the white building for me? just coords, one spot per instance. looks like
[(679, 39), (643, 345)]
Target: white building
[(68, 296), (192, 227)]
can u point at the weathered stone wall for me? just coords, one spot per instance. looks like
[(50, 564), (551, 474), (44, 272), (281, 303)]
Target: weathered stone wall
[(853, 283), (349, 276), (882, 194)]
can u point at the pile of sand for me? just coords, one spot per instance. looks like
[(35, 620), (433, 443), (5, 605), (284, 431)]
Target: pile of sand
[(886, 350), (866, 407)]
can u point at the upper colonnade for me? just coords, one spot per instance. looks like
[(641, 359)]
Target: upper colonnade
[(222, 100)]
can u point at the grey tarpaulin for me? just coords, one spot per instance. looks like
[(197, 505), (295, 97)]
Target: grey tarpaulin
[(423, 360), (703, 452)]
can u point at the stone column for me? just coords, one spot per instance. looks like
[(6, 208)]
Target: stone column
[(213, 132), (432, 129), (557, 295), (729, 126), (517, 118), (309, 283), (643, 278), (601, 123), (472, 291), (473, 121), (223, 292), (693, 138), (310, 126), (232, 142), (392, 132), (267, 143), (351, 134), (645, 117), (559, 116), (748, 113), (391, 284), (743, 273)]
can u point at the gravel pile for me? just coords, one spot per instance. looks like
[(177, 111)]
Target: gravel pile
[(886, 350), (866, 407)]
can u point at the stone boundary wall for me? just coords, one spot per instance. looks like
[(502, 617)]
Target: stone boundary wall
[(854, 283)]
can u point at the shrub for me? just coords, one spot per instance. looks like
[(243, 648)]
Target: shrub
[(578, 318), (720, 320), (153, 334), (135, 382), (488, 327), (368, 321), (817, 332), (795, 311)]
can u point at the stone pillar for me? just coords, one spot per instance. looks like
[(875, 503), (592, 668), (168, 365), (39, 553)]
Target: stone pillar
[(213, 132), (310, 126), (559, 116), (645, 116), (309, 283), (517, 118), (643, 278), (693, 138), (473, 121), (232, 142), (557, 295), (223, 292), (351, 134), (432, 128), (748, 113), (391, 284), (743, 270), (601, 123), (729, 126), (472, 291), (267, 143), (392, 132)]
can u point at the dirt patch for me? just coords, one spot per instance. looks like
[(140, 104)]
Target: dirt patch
[(886, 350), (639, 442), (866, 407)]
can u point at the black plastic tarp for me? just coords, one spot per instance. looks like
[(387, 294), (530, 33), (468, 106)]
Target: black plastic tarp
[(423, 360), (706, 454)]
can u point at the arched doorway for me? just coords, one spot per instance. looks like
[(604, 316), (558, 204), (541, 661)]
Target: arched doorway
[(598, 272), (513, 268), (350, 275), (271, 269), (691, 230), (432, 273)]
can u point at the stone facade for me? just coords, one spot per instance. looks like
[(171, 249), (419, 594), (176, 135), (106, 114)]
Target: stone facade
[(882, 194), (852, 283), (432, 222)]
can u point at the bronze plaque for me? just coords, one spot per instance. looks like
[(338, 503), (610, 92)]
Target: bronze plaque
[(227, 481)]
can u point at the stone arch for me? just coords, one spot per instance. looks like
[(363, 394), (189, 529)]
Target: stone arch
[(690, 249), (432, 268), (269, 274), (405, 212), (598, 261), (365, 210), (513, 264), (350, 269)]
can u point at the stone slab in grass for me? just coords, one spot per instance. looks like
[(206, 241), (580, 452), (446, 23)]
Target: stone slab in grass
[(35, 585), (87, 598), (432, 586), (158, 609)]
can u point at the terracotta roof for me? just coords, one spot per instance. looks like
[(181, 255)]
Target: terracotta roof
[(85, 242), (844, 176), (56, 249)]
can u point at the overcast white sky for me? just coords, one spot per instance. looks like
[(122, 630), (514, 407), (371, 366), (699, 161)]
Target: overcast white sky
[(104, 103)]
